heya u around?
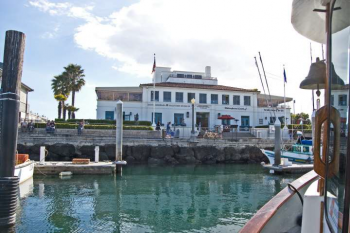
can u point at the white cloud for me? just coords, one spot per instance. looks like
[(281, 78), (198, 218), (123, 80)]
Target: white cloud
[(190, 34)]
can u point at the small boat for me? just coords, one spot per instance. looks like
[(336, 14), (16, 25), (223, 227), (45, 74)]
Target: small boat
[(299, 153), (24, 167)]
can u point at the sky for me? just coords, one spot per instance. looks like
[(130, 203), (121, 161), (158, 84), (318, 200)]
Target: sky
[(114, 42)]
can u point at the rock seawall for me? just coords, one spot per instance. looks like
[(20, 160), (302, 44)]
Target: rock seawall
[(144, 154)]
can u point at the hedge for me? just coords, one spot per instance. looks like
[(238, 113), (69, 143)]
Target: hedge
[(108, 122), (75, 126), (295, 127)]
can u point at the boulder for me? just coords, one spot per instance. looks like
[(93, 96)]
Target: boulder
[(63, 150), (154, 161), (186, 156), (23, 149), (160, 152), (232, 154), (130, 160), (171, 160), (207, 154), (141, 153), (110, 151), (88, 151), (103, 156)]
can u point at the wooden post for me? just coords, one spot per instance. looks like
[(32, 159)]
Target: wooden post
[(9, 108), (9, 100)]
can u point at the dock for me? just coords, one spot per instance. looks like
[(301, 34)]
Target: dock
[(294, 168), (55, 168)]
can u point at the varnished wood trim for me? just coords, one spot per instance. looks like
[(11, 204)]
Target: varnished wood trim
[(264, 215)]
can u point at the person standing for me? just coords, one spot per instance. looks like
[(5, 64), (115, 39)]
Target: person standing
[(158, 125), (168, 128)]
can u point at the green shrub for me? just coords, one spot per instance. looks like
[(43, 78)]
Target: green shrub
[(105, 127), (105, 122)]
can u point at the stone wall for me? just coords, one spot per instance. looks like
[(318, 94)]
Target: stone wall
[(146, 154)]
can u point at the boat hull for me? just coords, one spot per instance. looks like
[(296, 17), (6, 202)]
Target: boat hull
[(292, 157), (24, 171)]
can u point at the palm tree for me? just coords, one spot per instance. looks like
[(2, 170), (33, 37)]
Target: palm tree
[(61, 99), (60, 86), (75, 75)]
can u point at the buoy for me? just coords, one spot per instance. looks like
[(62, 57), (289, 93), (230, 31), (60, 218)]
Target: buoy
[(65, 174)]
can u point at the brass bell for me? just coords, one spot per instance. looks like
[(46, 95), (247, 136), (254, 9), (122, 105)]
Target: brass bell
[(316, 78)]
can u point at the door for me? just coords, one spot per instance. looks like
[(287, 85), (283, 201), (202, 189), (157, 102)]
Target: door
[(245, 121), (202, 118), (109, 115)]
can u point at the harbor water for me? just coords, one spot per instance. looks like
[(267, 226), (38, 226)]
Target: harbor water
[(205, 198)]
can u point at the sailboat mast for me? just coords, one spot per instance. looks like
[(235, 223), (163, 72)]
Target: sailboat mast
[(267, 84)]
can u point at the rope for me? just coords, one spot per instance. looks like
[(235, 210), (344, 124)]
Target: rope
[(291, 187)]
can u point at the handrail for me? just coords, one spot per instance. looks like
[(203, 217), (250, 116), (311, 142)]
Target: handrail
[(267, 212)]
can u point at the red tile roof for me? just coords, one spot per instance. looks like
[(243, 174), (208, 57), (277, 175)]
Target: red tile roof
[(198, 86)]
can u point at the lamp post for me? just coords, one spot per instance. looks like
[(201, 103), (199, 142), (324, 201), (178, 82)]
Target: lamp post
[(236, 120), (193, 136)]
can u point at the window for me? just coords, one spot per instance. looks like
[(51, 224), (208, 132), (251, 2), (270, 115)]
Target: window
[(135, 97), (272, 120), (342, 101), (214, 98), (179, 118), (188, 75), (109, 115), (225, 99), (236, 100), (198, 76), (167, 96), (261, 121), (332, 100), (247, 100), (179, 97), (202, 98), (123, 96), (180, 75), (190, 96), (157, 96)]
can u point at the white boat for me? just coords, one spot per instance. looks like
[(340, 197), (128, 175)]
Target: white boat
[(24, 170), (319, 200), (299, 153)]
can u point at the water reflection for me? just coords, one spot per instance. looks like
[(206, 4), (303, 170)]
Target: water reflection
[(150, 199)]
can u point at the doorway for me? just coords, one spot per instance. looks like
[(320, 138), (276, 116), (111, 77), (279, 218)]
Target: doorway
[(203, 118)]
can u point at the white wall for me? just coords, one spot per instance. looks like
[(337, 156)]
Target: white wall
[(168, 109)]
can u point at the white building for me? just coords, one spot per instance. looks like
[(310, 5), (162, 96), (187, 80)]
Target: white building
[(339, 99), (24, 107), (174, 91)]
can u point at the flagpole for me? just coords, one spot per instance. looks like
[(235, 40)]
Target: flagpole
[(154, 92)]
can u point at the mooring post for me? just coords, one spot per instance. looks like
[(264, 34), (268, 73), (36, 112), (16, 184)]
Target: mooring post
[(9, 108), (42, 155), (119, 135), (97, 154), (277, 142)]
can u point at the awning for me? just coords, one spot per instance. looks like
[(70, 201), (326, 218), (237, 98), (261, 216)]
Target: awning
[(226, 117)]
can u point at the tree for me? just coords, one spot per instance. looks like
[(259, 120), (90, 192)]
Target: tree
[(61, 99), (301, 116), (75, 75), (60, 87)]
